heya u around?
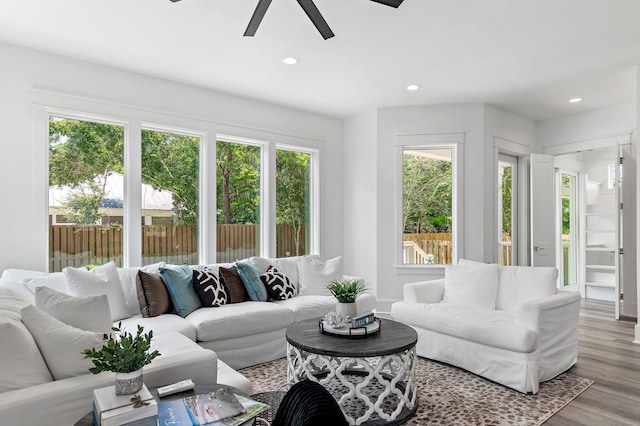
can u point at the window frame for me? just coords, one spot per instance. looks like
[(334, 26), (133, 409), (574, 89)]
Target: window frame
[(128, 118), (455, 142)]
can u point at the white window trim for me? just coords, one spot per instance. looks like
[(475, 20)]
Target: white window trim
[(207, 221), (455, 142)]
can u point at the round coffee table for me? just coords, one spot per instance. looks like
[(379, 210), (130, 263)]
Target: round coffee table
[(372, 377)]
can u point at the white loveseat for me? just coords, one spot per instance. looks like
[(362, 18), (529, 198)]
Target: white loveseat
[(196, 346), (507, 324)]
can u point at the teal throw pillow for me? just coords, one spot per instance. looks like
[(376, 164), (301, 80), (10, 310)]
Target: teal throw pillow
[(250, 276), (179, 282)]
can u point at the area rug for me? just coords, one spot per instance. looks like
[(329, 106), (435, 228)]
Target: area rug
[(451, 396)]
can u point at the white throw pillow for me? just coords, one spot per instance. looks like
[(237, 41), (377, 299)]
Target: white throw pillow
[(520, 284), (471, 286), (129, 279), (101, 280), (316, 275), (61, 345), (90, 313), (22, 364), (56, 281)]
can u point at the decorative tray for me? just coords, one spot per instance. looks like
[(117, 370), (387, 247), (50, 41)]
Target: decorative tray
[(367, 330)]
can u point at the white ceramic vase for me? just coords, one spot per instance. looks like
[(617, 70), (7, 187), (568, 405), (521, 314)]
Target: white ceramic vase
[(128, 383), (347, 309)]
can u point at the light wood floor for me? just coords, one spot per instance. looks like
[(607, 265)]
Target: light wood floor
[(608, 356)]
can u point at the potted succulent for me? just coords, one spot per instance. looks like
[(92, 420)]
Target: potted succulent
[(125, 355), (346, 292)]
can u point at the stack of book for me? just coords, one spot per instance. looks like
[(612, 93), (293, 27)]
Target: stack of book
[(110, 409), (219, 408)]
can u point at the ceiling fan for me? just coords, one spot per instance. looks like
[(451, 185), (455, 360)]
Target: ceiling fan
[(309, 8)]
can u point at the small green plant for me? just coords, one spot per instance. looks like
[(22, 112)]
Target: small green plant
[(124, 355), (346, 291)]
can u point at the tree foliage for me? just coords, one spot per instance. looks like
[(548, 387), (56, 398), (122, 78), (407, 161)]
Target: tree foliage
[(238, 183), (292, 192), (170, 163), (426, 196)]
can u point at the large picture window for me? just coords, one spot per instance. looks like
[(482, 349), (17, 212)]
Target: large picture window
[(170, 191), (86, 201), (427, 205), (250, 198)]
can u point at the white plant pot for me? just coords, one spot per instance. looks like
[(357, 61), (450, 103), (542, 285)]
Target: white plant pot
[(350, 309), (128, 383)]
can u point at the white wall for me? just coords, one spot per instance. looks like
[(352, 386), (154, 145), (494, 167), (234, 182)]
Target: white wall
[(360, 197), (29, 77), (480, 124)]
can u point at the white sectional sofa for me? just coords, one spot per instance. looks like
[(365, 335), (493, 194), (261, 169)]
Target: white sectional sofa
[(207, 345), (507, 324)]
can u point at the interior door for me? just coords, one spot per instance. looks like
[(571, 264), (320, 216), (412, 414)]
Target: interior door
[(543, 223)]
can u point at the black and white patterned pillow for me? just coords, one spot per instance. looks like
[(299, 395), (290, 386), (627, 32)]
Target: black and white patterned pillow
[(210, 288), (278, 284)]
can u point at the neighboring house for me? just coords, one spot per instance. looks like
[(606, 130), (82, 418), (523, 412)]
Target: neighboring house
[(157, 205)]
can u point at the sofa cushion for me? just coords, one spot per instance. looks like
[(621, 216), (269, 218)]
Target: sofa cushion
[(489, 327), (102, 280), (153, 296), (471, 286), (211, 290), (22, 364), (250, 276), (179, 281), (278, 285), (129, 281), (161, 324), (239, 319), (89, 313), (520, 284), (56, 281), (61, 345), (237, 290), (316, 275), (317, 306)]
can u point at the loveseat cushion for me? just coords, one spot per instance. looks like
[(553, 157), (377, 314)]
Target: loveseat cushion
[(494, 328), (471, 286), (520, 284), (239, 319)]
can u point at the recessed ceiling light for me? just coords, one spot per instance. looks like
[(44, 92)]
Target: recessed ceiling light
[(413, 87), (575, 100), (290, 60)]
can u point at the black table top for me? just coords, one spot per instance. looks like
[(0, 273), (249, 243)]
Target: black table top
[(392, 338)]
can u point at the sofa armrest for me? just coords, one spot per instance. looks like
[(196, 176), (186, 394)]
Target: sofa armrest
[(561, 309), (424, 291)]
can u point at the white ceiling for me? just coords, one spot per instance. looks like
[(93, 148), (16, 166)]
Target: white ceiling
[(526, 56)]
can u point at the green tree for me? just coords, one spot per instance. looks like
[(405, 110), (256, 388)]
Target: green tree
[(170, 163), (82, 153), (238, 183), (506, 200), (427, 189), (292, 192)]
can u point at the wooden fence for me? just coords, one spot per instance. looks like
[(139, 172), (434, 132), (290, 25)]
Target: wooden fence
[(439, 245), (71, 245)]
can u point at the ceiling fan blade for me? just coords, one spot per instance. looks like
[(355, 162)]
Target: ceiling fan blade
[(316, 17), (258, 14), (392, 3)]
